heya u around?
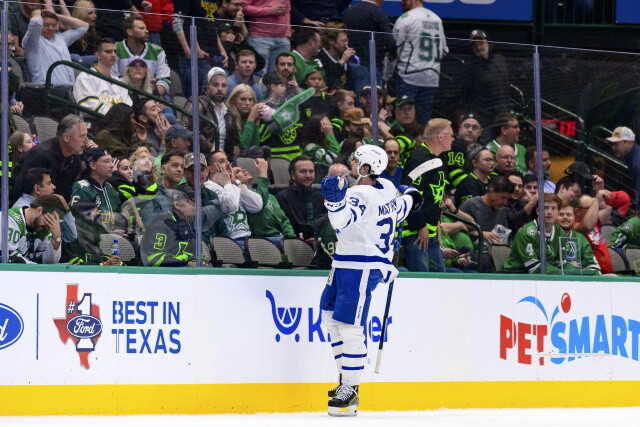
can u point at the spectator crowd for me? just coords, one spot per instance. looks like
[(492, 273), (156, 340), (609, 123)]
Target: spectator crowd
[(287, 83)]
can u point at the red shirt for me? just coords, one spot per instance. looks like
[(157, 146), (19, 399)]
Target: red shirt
[(599, 247)]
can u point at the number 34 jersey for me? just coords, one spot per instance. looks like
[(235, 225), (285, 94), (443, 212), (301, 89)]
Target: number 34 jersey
[(365, 227), (421, 44)]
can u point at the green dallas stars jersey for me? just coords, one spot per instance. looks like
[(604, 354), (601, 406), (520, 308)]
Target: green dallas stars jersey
[(627, 235), (525, 252)]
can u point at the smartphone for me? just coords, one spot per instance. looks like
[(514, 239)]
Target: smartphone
[(464, 250)]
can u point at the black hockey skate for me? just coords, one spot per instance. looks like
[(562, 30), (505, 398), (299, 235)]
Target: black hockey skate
[(332, 392), (344, 402)]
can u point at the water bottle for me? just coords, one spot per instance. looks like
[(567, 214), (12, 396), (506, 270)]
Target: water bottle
[(115, 248), (355, 58), (34, 138)]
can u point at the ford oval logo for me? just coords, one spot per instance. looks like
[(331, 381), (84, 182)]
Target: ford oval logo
[(11, 326), (84, 326)]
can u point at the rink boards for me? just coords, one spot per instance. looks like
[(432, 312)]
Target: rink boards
[(140, 341)]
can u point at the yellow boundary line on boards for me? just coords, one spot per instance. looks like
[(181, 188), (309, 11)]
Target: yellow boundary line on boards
[(253, 398)]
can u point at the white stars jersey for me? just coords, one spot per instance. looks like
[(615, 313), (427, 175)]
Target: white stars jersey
[(421, 46)]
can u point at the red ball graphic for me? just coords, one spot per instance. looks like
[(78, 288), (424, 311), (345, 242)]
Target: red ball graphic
[(565, 303)]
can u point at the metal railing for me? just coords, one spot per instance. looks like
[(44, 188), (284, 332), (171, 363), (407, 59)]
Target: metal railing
[(130, 88)]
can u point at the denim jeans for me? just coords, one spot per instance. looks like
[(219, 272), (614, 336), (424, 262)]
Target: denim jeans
[(269, 48), (422, 95), (423, 260)]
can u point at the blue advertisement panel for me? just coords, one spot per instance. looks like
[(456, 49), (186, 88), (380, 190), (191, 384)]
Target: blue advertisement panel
[(627, 12), (499, 10)]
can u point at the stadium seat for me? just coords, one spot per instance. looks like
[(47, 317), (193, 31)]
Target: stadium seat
[(633, 259), (618, 261), (21, 124), (46, 127), (299, 252), (127, 253), (179, 100), (607, 231), (280, 169), (176, 84), (229, 253), (247, 163), (266, 253), (499, 253)]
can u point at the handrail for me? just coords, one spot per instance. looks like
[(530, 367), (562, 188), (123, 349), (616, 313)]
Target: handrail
[(478, 230), (117, 83)]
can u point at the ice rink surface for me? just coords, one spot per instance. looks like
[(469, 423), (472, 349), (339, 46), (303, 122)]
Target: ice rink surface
[(609, 417)]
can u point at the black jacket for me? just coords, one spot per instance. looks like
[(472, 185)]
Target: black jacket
[(48, 154)]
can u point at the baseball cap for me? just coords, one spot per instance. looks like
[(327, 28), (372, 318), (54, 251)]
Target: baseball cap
[(478, 35), (215, 71), (136, 59), (619, 200), (354, 115), (405, 99), (222, 26), (580, 169), (474, 116), (189, 160), (93, 154), (177, 195), (366, 91), (622, 133), (177, 131)]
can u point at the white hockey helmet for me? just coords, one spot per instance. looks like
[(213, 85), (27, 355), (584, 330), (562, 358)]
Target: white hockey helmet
[(373, 156)]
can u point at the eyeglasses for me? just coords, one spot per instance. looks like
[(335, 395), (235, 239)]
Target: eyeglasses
[(452, 135), (513, 126)]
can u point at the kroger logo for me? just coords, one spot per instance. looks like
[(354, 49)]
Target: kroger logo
[(303, 324), (11, 326), (84, 326), (564, 339)]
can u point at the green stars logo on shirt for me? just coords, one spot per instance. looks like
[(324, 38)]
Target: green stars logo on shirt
[(437, 190)]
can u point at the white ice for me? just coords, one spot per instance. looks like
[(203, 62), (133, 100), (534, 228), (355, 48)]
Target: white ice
[(609, 417)]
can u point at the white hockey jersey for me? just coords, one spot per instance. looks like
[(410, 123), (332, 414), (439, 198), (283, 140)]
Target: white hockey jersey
[(97, 94), (421, 46), (29, 247), (365, 227)]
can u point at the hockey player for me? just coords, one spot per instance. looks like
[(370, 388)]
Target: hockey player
[(364, 217), (34, 231)]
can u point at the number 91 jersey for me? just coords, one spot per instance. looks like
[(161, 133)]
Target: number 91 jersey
[(365, 227), (421, 44)]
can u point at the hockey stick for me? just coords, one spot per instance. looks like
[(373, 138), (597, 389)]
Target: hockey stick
[(421, 169), (396, 252)]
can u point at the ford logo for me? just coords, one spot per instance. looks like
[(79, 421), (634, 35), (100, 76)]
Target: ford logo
[(11, 326), (84, 326)]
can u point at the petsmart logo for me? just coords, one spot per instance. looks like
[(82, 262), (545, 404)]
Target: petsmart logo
[(289, 319), (82, 323), (597, 334)]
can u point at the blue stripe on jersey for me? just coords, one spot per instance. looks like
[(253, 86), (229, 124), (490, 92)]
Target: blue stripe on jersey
[(339, 209), (335, 344), (361, 258), (354, 356), (352, 368), (338, 356)]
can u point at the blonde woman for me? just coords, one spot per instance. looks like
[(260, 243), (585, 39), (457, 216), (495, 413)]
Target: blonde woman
[(83, 50), (244, 120)]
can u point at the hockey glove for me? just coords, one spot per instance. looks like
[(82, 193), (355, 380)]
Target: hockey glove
[(415, 195), (334, 189)]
